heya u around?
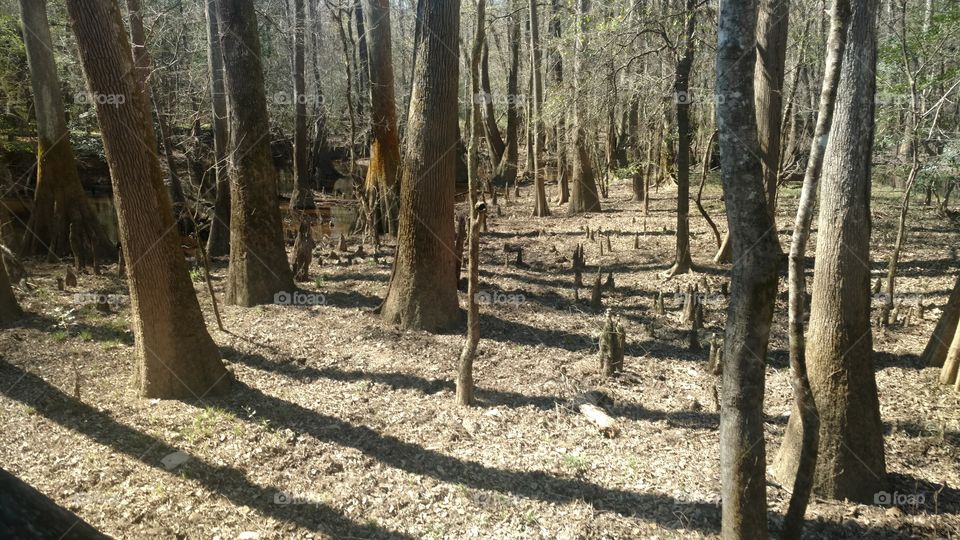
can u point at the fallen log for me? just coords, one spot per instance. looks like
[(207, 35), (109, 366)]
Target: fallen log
[(588, 404)]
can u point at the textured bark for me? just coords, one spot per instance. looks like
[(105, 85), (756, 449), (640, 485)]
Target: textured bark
[(9, 308), (540, 208), (362, 57), (174, 355), (27, 513), (422, 293), (218, 241), (583, 189), (59, 200), (936, 350), (839, 346), (258, 261), (491, 129), (381, 182), (773, 23), (681, 84), (753, 280), (796, 466)]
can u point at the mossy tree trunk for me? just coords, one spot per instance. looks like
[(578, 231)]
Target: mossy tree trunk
[(174, 355), (258, 260), (59, 200)]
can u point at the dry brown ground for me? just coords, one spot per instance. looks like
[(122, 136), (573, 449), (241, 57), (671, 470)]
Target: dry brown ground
[(354, 421)]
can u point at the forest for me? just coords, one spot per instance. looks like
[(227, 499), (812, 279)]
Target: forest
[(443, 269)]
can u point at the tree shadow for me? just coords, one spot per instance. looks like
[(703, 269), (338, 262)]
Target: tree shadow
[(233, 484)]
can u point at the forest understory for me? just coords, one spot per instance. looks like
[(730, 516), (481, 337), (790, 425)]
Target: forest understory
[(342, 427)]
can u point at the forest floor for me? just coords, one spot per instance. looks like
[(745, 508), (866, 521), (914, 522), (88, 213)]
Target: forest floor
[(340, 426)]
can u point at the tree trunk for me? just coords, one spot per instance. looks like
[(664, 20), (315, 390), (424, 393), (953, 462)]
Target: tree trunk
[(363, 58), (936, 350), (9, 308), (465, 387), (507, 169), (302, 186), (948, 375), (27, 513), (681, 85), (583, 193), (175, 356), (218, 240), (839, 345), (753, 280), (59, 200), (258, 260), (540, 208), (422, 293), (381, 183), (796, 466), (772, 29), (491, 130)]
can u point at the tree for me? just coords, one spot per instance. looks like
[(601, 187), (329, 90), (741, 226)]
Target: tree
[(540, 208), (9, 308), (583, 192), (258, 261), (423, 290), (381, 183), (302, 189), (936, 350), (218, 240), (681, 85), (507, 168), (27, 513), (839, 345), (773, 23), (753, 280), (805, 406), (59, 203), (175, 356)]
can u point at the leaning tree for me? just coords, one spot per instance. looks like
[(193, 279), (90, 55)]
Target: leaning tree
[(423, 289), (175, 356)]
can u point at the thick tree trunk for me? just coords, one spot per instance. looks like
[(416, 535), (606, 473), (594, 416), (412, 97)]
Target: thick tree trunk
[(381, 183), (258, 260), (507, 169), (540, 208), (839, 345), (27, 513), (796, 466), (175, 356), (423, 293), (59, 201), (491, 130), (218, 241), (681, 84), (936, 350), (753, 280), (583, 190)]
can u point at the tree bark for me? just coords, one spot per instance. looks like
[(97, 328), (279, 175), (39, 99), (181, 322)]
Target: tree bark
[(753, 279), (540, 208), (174, 355), (682, 262), (839, 345), (422, 293), (773, 24), (59, 200), (381, 182), (583, 190), (936, 350), (27, 513), (9, 308), (507, 169), (258, 260), (796, 466), (491, 129), (218, 240), (302, 186)]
